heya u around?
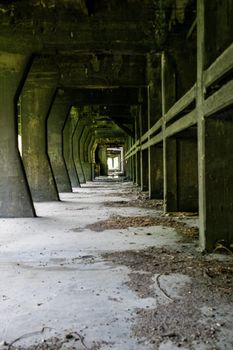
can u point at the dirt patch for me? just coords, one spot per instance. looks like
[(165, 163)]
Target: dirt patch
[(154, 260), (123, 222), (179, 318), (140, 283), (137, 199), (178, 322), (72, 340), (138, 203)]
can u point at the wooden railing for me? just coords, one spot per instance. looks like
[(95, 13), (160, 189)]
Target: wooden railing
[(181, 104), (219, 100), (222, 65)]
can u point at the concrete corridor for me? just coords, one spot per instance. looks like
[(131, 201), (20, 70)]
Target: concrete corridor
[(68, 286)]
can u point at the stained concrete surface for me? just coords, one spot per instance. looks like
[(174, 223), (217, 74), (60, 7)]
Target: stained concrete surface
[(55, 280)]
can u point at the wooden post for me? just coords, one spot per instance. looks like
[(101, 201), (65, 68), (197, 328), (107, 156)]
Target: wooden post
[(163, 131), (201, 120)]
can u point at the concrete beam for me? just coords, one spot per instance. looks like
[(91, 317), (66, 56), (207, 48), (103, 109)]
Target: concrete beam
[(63, 35), (109, 97), (109, 71)]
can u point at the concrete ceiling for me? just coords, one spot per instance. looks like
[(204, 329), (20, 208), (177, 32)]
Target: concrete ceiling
[(90, 46)]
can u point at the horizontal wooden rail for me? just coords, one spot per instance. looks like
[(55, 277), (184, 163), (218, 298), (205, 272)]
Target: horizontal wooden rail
[(132, 153), (181, 124), (153, 141), (152, 130), (181, 104), (133, 147), (219, 67), (216, 102), (219, 100)]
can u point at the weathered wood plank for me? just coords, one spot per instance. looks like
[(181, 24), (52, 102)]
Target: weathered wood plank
[(219, 100), (181, 104), (133, 147), (152, 130), (131, 154), (153, 141), (182, 124), (220, 66)]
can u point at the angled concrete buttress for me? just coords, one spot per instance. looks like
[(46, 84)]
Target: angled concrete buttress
[(56, 121), (102, 155), (76, 151), (91, 157), (36, 101), (83, 155), (15, 197), (68, 133), (87, 157)]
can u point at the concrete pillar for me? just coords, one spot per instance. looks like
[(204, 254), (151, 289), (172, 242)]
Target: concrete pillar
[(201, 58), (168, 98), (171, 174), (143, 125), (56, 120), (138, 169), (36, 100), (15, 197), (218, 179), (137, 155), (90, 149), (102, 154), (86, 165), (156, 172), (68, 134), (182, 174), (144, 170), (94, 158), (155, 152), (133, 164), (91, 157), (128, 162), (76, 151)]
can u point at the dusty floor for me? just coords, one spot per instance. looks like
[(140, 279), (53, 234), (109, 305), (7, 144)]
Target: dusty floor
[(81, 276)]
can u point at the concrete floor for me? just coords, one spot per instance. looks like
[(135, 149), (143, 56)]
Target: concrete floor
[(54, 280)]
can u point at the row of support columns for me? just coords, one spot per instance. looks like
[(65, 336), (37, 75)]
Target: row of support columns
[(53, 144), (191, 170)]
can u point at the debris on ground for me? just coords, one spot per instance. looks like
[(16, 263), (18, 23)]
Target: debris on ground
[(137, 199), (124, 222), (73, 340), (178, 317)]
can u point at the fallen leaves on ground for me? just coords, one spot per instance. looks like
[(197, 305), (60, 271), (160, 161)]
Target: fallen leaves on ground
[(177, 317), (123, 222)]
